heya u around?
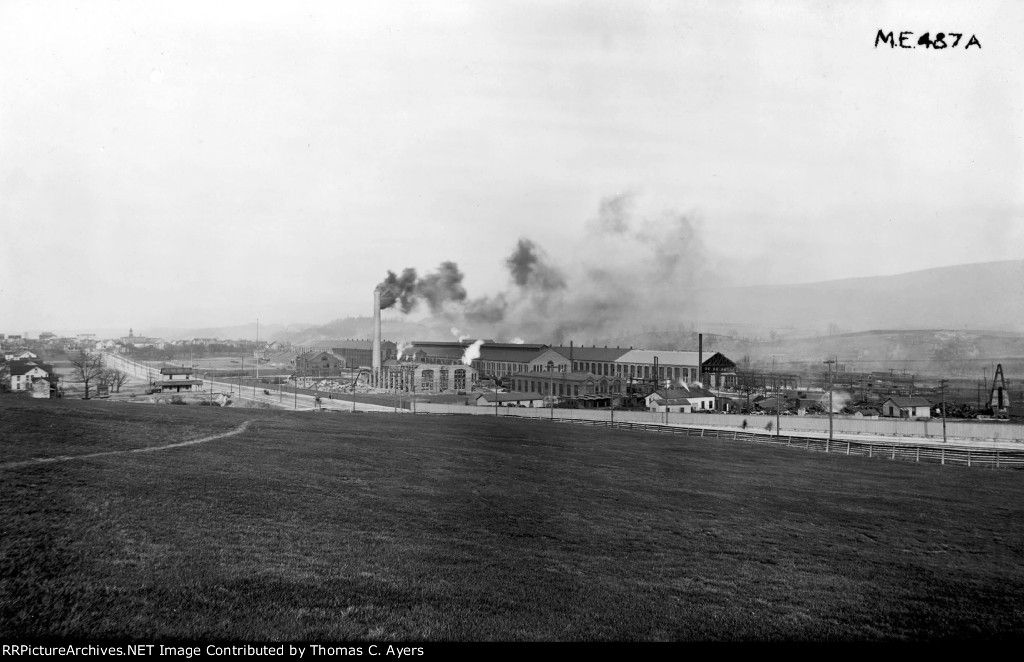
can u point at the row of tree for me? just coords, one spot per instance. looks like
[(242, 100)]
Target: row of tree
[(88, 368)]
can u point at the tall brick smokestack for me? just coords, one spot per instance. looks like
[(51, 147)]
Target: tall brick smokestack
[(376, 332)]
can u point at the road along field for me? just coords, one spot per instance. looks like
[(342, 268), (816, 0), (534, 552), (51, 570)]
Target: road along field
[(387, 527)]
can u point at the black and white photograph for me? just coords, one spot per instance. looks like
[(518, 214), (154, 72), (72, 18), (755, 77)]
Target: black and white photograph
[(341, 329)]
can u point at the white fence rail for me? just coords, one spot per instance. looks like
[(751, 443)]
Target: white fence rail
[(653, 422), (789, 424)]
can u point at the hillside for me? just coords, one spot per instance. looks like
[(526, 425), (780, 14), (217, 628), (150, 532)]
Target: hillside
[(986, 296), (355, 328), (282, 526)]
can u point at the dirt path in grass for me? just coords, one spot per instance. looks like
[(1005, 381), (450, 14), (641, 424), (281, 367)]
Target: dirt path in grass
[(64, 458)]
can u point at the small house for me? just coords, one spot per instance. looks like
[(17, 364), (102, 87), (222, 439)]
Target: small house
[(900, 407)]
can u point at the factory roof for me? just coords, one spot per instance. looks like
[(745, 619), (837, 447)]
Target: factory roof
[(590, 353), (354, 344), (664, 356), (509, 353)]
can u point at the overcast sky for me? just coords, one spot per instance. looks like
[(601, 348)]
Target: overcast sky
[(199, 164)]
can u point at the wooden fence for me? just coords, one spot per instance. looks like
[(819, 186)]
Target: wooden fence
[(951, 454), (790, 424)]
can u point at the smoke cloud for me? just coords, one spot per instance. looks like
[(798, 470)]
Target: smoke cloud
[(436, 288), (529, 268), (630, 268), (472, 353)]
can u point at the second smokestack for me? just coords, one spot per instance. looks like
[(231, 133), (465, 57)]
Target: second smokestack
[(376, 332)]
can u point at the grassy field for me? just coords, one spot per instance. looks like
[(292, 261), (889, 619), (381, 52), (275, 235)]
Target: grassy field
[(327, 527)]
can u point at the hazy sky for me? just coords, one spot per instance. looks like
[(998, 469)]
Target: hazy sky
[(199, 164)]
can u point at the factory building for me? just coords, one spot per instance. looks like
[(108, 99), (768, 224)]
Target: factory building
[(495, 360), (567, 385), (677, 367), (437, 352), (320, 363), (359, 353), (413, 376), (502, 360), (597, 360)]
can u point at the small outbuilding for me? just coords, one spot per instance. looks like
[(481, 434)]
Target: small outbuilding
[(509, 399), (913, 407)]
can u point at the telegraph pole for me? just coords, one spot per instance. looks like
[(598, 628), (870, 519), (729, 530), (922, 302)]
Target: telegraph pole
[(830, 362), (942, 390), (778, 404)]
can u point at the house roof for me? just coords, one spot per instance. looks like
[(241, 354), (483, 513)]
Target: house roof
[(24, 368), (903, 402), (513, 396), (176, 370)]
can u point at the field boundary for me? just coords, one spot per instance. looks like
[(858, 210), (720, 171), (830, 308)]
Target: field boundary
[(65, 458), (954, 455)]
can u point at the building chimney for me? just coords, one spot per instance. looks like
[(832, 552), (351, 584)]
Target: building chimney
[(376, 331), (700, 358)]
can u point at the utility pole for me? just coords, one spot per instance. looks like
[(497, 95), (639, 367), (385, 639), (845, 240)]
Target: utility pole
[(942, 390), (778, 404), (830, 362)]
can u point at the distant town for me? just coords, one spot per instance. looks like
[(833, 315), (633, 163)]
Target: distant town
[(482, 372)]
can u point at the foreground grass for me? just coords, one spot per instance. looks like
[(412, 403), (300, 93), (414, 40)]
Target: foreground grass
[(345, 526)]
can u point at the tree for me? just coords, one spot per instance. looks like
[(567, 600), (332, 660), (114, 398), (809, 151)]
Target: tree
[(86, 367), (116, 379)]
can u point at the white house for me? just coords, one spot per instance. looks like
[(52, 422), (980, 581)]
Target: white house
[(669, 400), (22, 375), (178, 379), (907, 408)]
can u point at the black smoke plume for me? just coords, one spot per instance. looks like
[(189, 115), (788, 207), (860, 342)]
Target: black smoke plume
[(530, 270), (436, 289), (398, 289), (441, 287)]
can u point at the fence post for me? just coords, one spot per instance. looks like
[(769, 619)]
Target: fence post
[(918, 458), (997, 459), (942, 456), (847, 448), (968, 457), (870, 450), (893, 452)]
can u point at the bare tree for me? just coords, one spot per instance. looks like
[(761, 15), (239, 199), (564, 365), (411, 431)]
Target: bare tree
[(116, 379), (86, 367)]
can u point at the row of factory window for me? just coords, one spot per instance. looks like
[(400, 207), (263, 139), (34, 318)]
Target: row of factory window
[(427, 380), (635, 371), (552, 387), (623, 371)]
